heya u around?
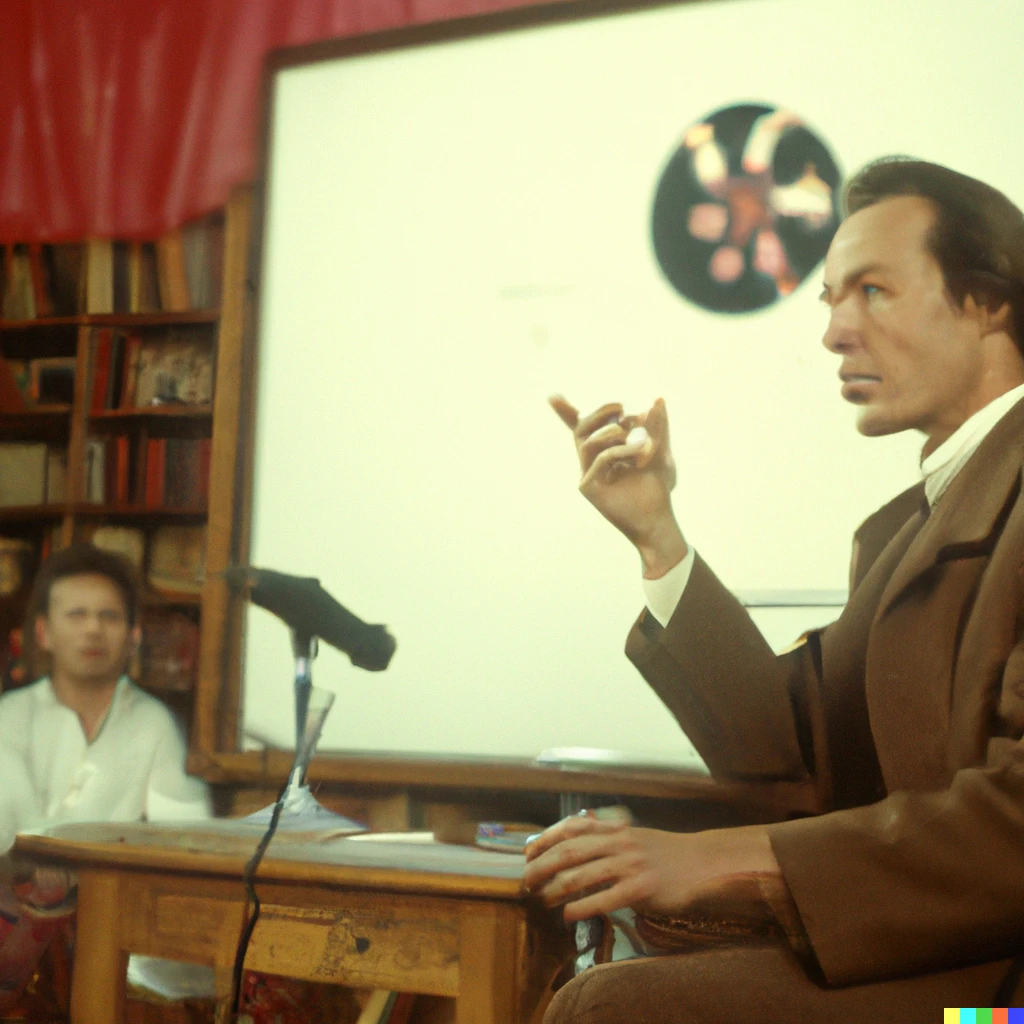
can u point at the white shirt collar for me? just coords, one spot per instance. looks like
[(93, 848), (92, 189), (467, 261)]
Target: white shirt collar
[(45, 695), (939, 468)]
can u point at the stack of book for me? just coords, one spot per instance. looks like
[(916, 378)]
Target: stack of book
[(179, 271), (153, 473), (173, 561)]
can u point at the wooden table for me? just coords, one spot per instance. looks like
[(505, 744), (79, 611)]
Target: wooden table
[(431, 918)]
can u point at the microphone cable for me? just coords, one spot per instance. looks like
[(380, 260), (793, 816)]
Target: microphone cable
[(252, 899)]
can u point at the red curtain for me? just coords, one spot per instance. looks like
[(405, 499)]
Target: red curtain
[(128, 117)]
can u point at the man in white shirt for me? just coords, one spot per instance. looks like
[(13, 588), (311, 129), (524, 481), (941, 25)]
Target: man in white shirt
[(84, 743), (905, 717)]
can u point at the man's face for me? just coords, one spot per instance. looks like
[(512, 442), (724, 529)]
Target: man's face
[(86, 630), (911, 358)]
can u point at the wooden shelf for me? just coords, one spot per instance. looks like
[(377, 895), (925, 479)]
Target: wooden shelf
[(29, 513), (156, 412), (192, 316), (138, 513), (158, 420), (48, 423)]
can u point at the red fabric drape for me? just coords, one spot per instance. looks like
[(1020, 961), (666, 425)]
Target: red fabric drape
[(128, 117)]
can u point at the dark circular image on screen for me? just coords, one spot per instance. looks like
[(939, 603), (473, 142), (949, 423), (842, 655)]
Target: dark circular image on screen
[(745, 208)]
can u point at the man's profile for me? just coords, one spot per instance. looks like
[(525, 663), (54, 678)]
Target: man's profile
[(906, 715)]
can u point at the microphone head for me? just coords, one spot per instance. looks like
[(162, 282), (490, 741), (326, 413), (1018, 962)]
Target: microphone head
[(310, 611)]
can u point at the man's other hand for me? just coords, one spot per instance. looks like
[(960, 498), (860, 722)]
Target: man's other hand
[(629, 481), (595, 867)]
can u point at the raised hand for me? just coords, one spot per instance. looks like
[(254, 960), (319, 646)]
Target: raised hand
[(628, 475)]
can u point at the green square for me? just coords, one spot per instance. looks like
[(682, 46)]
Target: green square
[(984, 1015)]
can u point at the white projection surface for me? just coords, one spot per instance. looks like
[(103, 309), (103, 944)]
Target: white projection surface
[(456, 231)]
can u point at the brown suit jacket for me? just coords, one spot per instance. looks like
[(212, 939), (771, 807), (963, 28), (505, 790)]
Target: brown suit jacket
[(906, 715)]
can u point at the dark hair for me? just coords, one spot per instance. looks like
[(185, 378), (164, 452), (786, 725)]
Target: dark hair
[(978, 235), (85, 560)]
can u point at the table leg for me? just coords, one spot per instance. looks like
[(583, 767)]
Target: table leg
[(490, 968), (101, 965)]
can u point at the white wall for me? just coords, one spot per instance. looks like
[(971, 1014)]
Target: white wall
[(457, 231)]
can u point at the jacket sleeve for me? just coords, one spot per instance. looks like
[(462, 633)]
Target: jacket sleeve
[(919, 881), (751, 714), (739, 704)]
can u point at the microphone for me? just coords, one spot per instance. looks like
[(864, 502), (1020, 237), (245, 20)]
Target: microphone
[(301, 603)]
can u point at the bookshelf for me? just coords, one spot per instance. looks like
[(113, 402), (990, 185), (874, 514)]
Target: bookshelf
[(110, 368)]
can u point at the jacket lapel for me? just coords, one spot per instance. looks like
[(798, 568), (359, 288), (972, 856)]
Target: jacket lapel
[(966, 518)]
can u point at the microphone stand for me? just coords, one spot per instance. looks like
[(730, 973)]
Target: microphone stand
[(300, 810), (296, 809), (304, 649)]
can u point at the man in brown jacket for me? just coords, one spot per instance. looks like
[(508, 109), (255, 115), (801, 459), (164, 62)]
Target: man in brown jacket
[(906, 895)]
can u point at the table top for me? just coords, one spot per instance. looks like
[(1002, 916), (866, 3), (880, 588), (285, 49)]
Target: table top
[(194, 848)]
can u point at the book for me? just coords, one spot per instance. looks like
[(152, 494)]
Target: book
[(18, 296), (39, 271), (156, 458), (170, 651), (121, 257), (187, 472), (22, 473), (122, 471), (176, 369), (170, 258), (99, 276), (56, 475), (95, 470), (101, 369), (115, 377), (143, 282), (133, 349), (65, 265), (177, 558), (197, 239), (127, 541)]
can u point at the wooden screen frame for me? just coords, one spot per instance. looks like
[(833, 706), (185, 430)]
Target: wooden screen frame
[(214, 751)]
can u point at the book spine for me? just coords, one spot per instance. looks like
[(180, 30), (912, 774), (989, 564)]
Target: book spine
[(205, 452), (121, 479), (156, 459), (112, 398), (171, 272), (99, 276), (40, 280), (101, 370), (131, 371)]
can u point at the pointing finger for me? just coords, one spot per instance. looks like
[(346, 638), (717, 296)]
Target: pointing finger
[(567, 412)]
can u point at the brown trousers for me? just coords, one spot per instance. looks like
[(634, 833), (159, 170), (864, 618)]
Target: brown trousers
[(759, 985)]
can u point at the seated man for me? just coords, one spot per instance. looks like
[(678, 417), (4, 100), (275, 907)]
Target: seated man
[(84, 743), (906, 895)]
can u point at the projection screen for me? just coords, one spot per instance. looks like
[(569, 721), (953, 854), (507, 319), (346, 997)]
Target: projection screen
[(456, 229)]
